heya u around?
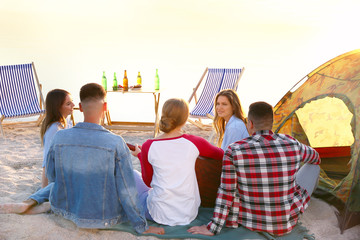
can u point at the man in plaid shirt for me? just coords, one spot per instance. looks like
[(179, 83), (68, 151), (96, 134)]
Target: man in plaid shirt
[(264, 168)]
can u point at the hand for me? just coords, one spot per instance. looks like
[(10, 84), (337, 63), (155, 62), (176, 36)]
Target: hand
[(200, 230), (136, 151), (155, 230)]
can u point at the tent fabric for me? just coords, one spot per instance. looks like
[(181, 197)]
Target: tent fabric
[(323, 110)]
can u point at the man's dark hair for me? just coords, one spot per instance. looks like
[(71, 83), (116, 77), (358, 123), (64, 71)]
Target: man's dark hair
[(261, 114), (92, 91)]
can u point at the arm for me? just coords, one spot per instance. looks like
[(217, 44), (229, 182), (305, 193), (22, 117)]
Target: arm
[(134, 149), (309, 155), (224, 200), (50, 165), (226, 194), (48, 137), (146, 167), (44, 180), (205, 148)]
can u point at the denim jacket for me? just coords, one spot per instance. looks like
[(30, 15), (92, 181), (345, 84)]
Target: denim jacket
[(93, 178)]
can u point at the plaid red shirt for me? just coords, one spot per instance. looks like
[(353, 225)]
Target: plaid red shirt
[(258, 188)]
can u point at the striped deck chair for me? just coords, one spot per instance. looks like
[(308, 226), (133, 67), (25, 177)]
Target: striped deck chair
[(217, 80), (18, 96)]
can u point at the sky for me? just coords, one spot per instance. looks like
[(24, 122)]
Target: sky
[(73, 42)]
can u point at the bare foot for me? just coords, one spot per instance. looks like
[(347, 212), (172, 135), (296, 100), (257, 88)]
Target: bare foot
[(17, 207), (155, 230), (42, 208)]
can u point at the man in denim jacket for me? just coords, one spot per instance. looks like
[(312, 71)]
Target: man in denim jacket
[(92, 171)]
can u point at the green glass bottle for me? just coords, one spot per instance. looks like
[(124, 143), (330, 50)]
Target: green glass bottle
[(157, 81), (138, 80), (104, 81), (115, 85)]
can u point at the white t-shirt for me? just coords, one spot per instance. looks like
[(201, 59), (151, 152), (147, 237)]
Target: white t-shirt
[(174, 196)]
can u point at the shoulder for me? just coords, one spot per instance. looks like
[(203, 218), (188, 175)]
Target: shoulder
[(58, 134), (235, 130), (147, 143), (288, 140), (239, 147), (55, 126), (239, 122), (285, 137), (194, 139), (109, 140), (236, 123), (110, 136), (52, 129), (244, 144)]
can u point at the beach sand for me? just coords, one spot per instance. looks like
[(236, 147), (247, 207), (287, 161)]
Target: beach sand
[(20, 174)]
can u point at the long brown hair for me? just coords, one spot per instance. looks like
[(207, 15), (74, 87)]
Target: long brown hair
[(219, 122), (53, 102), (175, 112)]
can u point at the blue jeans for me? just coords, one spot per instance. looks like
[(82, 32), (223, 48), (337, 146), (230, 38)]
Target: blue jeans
[(307, 177), (42, 195), (143, 193)]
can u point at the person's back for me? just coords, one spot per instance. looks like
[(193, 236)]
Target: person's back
[(266, 163), (173, 178), (174, 198), (92, 172), (86, 163)]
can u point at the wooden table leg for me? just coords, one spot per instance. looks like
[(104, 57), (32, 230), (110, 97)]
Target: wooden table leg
[(1, 127), (156, 123), (108, 119)]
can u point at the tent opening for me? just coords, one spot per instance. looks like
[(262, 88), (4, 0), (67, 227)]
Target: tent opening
[(327, 125), (328, 120)]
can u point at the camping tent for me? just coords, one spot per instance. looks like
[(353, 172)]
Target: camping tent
[(323, 111)]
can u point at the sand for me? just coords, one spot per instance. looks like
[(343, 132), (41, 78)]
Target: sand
[(20, 174)]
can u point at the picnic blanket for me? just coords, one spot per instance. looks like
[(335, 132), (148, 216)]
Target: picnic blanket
[(205, 214)]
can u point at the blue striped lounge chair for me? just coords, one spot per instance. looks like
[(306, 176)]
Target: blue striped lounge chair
[(18, 95), (217, 80)]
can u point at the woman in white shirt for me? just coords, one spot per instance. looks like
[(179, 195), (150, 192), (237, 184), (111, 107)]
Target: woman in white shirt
[(229, 120), (168, 187)]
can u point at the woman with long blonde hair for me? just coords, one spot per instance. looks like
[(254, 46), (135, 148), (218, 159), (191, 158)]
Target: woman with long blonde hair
[(229, 121)]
